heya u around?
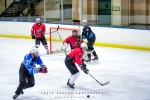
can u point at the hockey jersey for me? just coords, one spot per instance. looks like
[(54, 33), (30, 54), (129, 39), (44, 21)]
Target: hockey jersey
[(30, 63), (73, 41), (87, 33), (38, 30), (76, 55)]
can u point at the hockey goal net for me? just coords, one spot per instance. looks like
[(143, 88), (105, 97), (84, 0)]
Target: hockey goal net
[(57, 38)]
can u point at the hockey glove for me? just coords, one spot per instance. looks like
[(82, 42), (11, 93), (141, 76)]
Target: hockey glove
[(83, 67), (79, 39), (64, 47), (33, 36), (42, 69)]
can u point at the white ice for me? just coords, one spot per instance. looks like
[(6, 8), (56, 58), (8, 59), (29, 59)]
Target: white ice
[(127, 70)]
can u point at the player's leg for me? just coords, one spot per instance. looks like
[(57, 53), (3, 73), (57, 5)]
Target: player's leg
[(91, 48), (89, 43), (94, 52), (73, 70), (22, 80), (44, 42), (37, 42), (30, 81)]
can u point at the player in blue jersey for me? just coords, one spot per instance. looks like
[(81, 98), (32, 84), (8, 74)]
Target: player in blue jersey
[(28, 69), (88, 34)]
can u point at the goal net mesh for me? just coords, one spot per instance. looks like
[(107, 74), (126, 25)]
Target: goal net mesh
[(57, 38)]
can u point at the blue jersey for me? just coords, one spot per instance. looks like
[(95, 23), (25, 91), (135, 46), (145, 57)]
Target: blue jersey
[(30, 63), (87, 33)]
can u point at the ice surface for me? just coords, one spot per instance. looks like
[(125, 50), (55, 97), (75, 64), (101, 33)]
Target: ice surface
[(127, 70)]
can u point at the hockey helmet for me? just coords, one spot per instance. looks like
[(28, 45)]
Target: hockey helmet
[(38, 19), (74, 33), (35, 51), (84, 21), (83, 45)]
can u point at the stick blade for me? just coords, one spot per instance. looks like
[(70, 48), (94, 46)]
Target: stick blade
[(106, 83)]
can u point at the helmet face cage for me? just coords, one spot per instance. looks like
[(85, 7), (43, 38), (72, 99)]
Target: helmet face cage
[(74, 33), (38, 20), (84, 22), (34, 51)]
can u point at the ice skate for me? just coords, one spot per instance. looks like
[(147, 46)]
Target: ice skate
[(71, 86), (15, 96), (95, 58)]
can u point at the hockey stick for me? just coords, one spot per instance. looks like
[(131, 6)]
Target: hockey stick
[(61, 42), (53, 31), (98, 81)]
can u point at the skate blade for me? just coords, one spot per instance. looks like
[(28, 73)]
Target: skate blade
[(70, 88), (95, 60)]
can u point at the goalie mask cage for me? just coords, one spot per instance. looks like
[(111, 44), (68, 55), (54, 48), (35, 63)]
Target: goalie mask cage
[(56, 42)]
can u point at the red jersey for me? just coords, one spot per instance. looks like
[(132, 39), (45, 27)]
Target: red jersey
[(73, 41), (77, 56), (38, 30)]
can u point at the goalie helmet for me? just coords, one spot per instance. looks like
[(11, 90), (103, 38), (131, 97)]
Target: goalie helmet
[(83, 45), (74, 33), (35, 51)]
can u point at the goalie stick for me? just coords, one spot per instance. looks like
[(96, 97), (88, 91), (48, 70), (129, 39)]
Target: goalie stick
[(53, 31), (61, 41), (99, 82)]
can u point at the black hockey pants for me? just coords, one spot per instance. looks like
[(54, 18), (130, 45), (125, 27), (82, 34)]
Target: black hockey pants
[(25, 79)]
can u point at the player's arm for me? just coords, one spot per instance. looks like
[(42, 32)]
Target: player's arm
[(90, 32), (32, 32), (83, 34), (44, 29), (80, 62), (65, 43), (42, 68), (27, 62)]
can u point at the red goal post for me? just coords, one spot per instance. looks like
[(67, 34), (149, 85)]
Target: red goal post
[(55, 41)]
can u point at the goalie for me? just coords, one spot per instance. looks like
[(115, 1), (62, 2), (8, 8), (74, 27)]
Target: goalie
[(74, 40), (28, 69)]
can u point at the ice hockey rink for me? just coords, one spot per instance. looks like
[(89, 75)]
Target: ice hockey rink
[(127, 70)]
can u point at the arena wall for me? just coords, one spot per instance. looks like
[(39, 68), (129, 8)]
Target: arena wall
[(105, 36)]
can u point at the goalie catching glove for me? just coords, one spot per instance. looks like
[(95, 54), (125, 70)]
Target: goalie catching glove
[(42, 69), (83, 67)]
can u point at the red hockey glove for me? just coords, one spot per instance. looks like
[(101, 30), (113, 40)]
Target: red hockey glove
[(43, 69)]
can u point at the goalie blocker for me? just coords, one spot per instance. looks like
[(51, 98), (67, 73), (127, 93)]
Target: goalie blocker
[(28, 69)]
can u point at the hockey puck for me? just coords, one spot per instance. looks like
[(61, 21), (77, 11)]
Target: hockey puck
[(88, 96)]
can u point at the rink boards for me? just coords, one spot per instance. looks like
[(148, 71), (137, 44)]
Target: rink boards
[(105, 36)]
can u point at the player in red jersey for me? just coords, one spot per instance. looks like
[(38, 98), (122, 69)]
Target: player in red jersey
[(37, 33), (74, 59), (74, 40)]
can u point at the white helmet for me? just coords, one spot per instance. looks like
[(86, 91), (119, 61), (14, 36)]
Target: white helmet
[(34, 50), (83, 45), (84, 21), (38, 19)]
